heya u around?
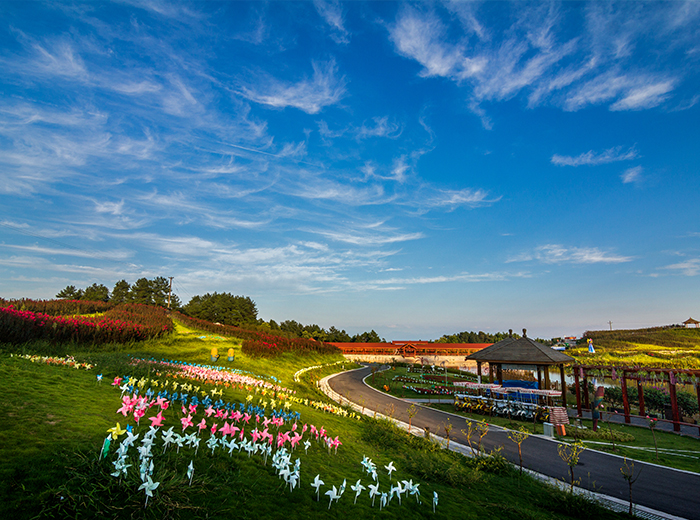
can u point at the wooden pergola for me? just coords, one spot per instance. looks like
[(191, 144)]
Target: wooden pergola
[(691, 321), (666, 376), (522, 352)]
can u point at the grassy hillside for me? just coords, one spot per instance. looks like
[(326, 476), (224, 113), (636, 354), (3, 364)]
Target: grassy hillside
[(657, 347), (54, 419)]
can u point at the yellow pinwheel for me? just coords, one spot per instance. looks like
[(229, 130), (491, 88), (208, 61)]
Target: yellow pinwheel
[(116, 431)]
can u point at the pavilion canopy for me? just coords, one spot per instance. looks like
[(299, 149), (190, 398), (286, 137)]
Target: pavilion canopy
[(520, 351)]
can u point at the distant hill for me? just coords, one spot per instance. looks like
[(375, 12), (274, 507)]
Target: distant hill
[(672, 347)]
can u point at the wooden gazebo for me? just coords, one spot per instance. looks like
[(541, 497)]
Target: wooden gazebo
[(691, 321), (522, 351)]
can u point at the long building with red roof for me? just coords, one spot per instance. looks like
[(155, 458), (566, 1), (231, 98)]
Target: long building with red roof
[(409, 349)]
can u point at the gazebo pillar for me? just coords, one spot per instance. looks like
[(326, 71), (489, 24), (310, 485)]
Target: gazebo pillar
[(625, 398), (499, 373), (478, 371), (640, 393), (586, 399), (563, 385), (674, 402), (539, 381), (579, 412)]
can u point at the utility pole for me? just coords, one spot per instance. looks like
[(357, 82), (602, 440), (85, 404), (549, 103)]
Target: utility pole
[(610, 323), (170, 292)]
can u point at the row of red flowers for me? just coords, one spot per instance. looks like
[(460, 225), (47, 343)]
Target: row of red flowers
[(257, 343), (123, 324)]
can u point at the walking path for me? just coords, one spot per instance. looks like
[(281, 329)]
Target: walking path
[(659, 492)]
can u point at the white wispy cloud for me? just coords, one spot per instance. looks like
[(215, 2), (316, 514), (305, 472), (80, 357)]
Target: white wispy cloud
[(535, 57), (324, 89), (332, 13), (687, 268), (632, 175), (592, 158), (557, 254)]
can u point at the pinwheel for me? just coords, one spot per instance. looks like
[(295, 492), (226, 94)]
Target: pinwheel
[(231, 446), (357, 488), (190, 471), (179, 440), (209, 411), (225, 429), (212, 443), (382, 501), (396, 490), (435, 500), (307, 444), (333, 495), (412, 488), (157, 420), (149, 486), (99, 378), (116, 431), (167, 438), (214, 428), (390, 468), (317, 483), (373, 492), (342, 488), (130, 437), (186, 422)]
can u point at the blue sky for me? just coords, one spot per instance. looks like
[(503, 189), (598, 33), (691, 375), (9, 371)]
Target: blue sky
[(419, 169)]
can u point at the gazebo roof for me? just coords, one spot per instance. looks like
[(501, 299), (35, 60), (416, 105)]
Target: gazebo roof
[(520, 351), (691, 321)]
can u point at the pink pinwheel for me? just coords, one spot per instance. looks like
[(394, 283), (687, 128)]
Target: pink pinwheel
[(240, 437), (233, 430), (266, 421), (185, 411), (193, 409), (335, 443), (255, 434), (304, 428), (159, 401), (236, 416), (209, 411), (257, 419), (164, 405), (202, 424), (138, 414), (117, 381), (225, 429), (213, 428), (157, 420), (322, 432), (247, 418), (186, 421), (127, 407), (224, 415), (219, 413), (294, 427), (295, 440)]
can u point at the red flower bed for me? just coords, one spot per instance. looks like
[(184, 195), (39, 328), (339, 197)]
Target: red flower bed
[(257, 343), (123, 324)]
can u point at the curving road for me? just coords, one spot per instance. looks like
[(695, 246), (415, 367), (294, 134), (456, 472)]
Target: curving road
[(670, 491)]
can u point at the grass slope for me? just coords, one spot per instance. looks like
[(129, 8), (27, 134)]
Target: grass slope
[(53, 421)]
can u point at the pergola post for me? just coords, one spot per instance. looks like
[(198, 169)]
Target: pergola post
[(640, 392), (478, 371), (674, 402), (586, 399), (579, 412), (499, 374), (539, 381), (625, 398)]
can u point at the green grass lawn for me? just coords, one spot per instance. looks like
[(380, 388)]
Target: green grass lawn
[(54, 419)]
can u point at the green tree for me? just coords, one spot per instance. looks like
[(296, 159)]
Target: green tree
[(367, 337), (121, 292), (70, 293), (223, 308), (96, 292), (142, 292)]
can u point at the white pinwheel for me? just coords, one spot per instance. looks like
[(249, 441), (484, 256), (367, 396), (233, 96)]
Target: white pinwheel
[(382, 501), (373, 492), (190, 471), (390, 468), (333, 495), (435, 500), (317, 483), (412, 488), (149, 486), (357, 488)]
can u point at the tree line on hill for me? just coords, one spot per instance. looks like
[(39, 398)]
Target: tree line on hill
[(149, 292)]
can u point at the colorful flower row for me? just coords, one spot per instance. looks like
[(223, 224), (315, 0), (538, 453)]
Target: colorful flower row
[(123, 324), (59, 361)]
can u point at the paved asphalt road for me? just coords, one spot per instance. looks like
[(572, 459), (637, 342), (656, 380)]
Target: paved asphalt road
[(670, 491)]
